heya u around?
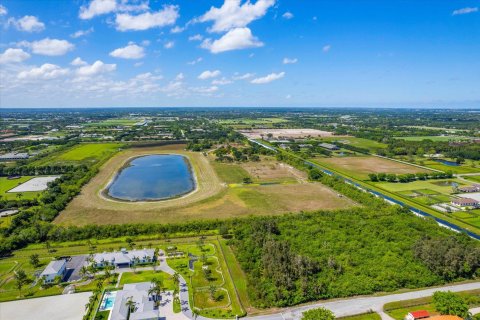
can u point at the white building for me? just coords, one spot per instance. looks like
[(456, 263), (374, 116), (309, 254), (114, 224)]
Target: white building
[(144, 304), (124, 258), (54, 269)]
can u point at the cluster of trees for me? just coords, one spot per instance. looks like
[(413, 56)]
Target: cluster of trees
[(29, 170), (451, 258), (299, 258), (409, 177), (450, 303), (204, 140), (251, 153), (455, 150)]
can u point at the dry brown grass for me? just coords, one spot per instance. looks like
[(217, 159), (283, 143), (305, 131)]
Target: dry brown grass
[(273, 170), (212, 200)]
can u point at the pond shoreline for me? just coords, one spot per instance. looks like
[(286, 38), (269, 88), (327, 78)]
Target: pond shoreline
[(128, 163)]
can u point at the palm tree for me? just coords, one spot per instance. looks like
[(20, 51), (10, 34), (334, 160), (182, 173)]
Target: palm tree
[(156, 288), (83, 271), (176, 278), (130, 305)]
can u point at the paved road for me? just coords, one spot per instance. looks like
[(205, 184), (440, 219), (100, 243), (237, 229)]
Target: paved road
[(348, 307)]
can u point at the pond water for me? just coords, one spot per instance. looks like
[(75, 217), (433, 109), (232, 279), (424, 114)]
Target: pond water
[(447, 163), (153, 177)]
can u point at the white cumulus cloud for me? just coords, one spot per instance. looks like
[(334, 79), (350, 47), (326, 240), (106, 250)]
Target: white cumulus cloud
[(234, 14), (209, 74), (50, 47), (197, 37), (287, 15), (96, 8), (289, 60), (81, 33), (465, 11), (194, 62), (3, 10), (169, 45), (45, 71), (132, 51), (269, 78), (28, 24), (177, 29), (167, 16), (98, 67), (235, 39), (12, 55), (243, 76), (78, 62)]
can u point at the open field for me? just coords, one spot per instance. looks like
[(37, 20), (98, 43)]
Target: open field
[(114, 122), (282, 133), (463, 168), (434, 138), (212, 200), (371, 145), (270, 170), (87, 153), (360, 167), (34, 185), (6, 185)]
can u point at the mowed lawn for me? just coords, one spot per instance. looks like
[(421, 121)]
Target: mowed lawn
[(464, 168), (6, 184), (88, 153), (360, 167)]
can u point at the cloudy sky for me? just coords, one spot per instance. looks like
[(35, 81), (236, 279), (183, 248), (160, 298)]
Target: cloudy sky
[(104, 53)]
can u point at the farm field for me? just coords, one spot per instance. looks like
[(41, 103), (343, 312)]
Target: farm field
[(434, 138), (463, 168), (6, 185), (212, 200), (371, 145), (360, 167), (82, 153)]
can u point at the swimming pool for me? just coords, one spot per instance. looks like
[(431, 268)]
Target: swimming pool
[(108, 300)]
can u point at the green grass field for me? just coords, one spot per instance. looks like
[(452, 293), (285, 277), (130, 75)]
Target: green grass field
[(433, 138), (82, 153), (371, 145), (366, 316), (6, 185), (230, 173), (147, 276), (464, 168)]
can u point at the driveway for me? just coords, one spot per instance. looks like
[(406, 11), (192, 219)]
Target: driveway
[(62, 307)]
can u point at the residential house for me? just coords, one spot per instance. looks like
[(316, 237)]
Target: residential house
[(415, 315), (472, 188), (143, 303), (53, 270), (123, 258), (329, 146), (466, 203)]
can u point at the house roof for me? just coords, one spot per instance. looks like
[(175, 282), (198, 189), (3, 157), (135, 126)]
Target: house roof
[(445, 318), (465, 201), (420, 314), (144, 306), (123, 256), (54, 267)]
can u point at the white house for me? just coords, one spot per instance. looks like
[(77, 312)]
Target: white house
[(56, 268), (123, 258), (144, 304)]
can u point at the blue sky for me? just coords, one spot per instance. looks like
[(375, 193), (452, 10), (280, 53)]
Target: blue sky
[(120, 53)]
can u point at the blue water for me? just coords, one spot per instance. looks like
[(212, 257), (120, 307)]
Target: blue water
[(447, 163), (108, 300), (153, 177)]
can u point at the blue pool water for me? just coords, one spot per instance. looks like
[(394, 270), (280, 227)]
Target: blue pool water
[(153, 177), (447, 163), (108, 300)]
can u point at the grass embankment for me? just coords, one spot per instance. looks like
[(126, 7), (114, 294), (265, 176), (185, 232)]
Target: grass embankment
[(85, 153), (365, 316), (399, 309)]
